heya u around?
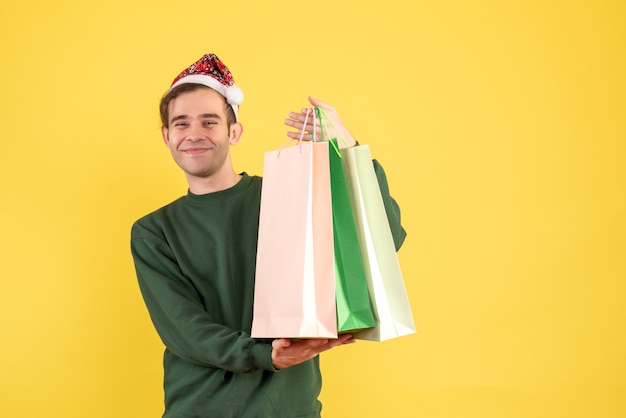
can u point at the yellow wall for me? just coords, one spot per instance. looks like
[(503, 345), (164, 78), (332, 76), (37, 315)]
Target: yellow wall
[(501, 125)]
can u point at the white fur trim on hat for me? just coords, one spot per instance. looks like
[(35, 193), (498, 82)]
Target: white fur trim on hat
[(233, 94)]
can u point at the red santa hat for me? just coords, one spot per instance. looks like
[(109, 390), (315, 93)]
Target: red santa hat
[(211, 72)]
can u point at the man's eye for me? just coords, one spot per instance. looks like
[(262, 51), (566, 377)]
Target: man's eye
[(209, 122), (180, 124)]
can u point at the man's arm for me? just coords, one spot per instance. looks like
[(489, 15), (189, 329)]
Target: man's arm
[(179, 317)]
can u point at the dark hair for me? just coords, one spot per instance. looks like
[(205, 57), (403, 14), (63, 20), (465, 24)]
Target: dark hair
[(186, 88)]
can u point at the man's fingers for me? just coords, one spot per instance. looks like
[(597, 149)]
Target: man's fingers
[(298, 123), (342, 339), (315, 342)]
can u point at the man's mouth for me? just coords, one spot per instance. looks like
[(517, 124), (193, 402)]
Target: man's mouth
[(195, 150)]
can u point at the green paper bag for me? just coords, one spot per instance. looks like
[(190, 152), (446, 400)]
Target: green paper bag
[(354, 308)]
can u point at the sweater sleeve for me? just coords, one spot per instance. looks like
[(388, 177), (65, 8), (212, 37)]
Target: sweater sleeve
[(179, 317), (391, 207)]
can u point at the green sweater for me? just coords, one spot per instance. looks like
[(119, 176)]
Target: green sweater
[(195, 262)]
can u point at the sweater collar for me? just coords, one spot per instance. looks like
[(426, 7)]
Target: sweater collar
[(215, 197)]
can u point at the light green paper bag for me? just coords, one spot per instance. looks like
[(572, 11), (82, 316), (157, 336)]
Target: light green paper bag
[(386, 285)]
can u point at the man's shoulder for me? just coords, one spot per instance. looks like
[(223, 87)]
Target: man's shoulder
[(155, 220)]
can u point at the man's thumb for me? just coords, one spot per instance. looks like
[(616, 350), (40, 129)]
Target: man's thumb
[(281, 343)]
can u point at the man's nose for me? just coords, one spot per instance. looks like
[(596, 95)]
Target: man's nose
[(195, 132)]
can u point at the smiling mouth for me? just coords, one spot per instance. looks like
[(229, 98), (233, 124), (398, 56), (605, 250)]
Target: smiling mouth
[(194, 151)]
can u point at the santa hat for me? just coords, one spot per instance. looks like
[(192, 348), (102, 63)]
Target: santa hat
[(211, 72)]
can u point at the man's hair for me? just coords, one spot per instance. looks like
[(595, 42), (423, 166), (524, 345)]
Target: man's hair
[(186, 88)]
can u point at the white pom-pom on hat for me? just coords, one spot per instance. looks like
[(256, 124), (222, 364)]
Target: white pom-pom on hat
[(234, 95)]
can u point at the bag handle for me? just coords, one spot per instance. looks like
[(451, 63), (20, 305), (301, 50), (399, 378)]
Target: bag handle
[(324, 121), (307, 112), (306, 118)]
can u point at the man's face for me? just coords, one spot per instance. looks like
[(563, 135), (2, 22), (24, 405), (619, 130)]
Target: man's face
[(198, 135)]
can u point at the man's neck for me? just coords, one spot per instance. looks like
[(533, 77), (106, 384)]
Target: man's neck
[(198, 185)]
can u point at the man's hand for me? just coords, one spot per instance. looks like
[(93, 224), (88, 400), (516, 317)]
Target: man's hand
[(286, 353), (336, 129)]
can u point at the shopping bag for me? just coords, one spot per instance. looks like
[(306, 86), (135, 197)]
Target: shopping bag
[(384, 277), (294, 294), (354, 308)]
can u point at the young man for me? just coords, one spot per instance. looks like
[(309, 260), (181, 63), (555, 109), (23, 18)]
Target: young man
[(195, 262)]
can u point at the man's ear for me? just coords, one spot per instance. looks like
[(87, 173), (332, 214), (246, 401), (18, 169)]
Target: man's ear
[(165, 133), (236, 130)]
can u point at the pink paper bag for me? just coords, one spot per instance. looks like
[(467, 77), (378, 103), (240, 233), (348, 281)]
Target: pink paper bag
[(294, 295)]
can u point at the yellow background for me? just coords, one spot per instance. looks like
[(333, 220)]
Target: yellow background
[(501, 125)]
